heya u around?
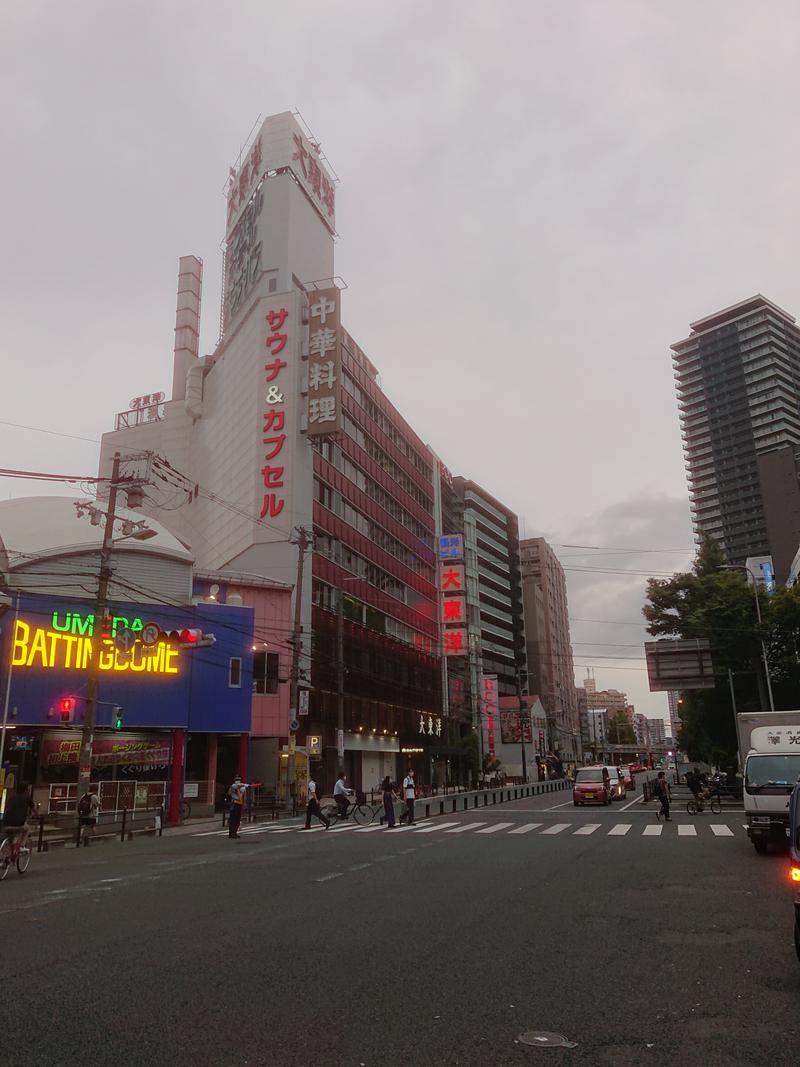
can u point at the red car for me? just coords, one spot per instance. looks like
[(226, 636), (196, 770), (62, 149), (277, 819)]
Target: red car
[(592, 786)]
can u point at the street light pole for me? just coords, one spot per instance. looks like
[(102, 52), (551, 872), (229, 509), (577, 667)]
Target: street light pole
[(303, 544), (744, 567), (522, 731)]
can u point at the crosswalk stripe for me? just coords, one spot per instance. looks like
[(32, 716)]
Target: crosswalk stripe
[(652, 831), (620, 829), (721, 830), (685, 830), (437, 826), (497, 826), (369, 829), (557, 827), (341, 829), (466, 826), (589, 828), (526, 829)]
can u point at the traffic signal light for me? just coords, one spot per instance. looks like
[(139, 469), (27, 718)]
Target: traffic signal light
[(66, 709), (189, 638), (117, 713)]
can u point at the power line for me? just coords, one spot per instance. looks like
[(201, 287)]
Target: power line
[(53, 433)]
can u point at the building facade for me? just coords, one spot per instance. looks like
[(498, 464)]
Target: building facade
[(738, 388), (551, 672)]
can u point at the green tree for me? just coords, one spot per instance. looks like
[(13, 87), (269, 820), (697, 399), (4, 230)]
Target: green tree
[(620, 730), (717, 603)]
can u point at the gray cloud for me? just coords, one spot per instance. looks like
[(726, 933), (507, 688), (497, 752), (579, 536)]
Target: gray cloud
[(536, 200)]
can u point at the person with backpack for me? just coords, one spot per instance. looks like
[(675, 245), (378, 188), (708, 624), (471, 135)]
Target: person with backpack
[(88, 814), (663, 795)]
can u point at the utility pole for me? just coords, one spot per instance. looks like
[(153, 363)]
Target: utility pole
[(340, 678), (101, 604), (303, 544), (8, 684), (522, 729)]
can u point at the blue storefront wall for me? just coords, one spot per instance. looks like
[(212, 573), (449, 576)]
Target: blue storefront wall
[(199, 696)]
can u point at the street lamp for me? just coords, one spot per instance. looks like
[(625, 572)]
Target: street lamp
[(744, 567)]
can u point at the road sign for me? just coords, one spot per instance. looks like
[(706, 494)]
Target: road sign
[(303, 702), (151, 632), (125, 639), (340, 743), (294, 725), (292, 744)]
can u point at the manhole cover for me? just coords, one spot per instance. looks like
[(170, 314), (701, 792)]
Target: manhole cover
[(544, 1039)]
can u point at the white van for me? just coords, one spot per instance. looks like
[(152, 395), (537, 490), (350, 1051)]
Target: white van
[(617, 783)]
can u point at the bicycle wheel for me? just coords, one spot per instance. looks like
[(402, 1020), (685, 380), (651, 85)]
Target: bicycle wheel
[(363, 814), (23, 859), (691, 807), (5, 862), (715, 805), (329, 812)]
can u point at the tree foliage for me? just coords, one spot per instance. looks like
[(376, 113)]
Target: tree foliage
[(718, 603), (620, 730)]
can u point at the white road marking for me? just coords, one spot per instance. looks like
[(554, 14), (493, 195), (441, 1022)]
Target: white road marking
[(557, 827), (327, 877), (436, 826), (370, 829), (466, 826), (652, 831), (497, 826), (558, 807), (526, 829), (588, 828), (341, 829), (721, 830), (685, 830), (620, 829), (636, 800), (359, 866)]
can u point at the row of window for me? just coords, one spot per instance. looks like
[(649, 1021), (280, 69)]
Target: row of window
[(391, 431), (325, 596), (374, 451), (333, 453), (380, 537), (340, 553)]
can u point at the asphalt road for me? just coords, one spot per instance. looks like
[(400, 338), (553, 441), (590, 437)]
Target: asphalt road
[(439, 945)]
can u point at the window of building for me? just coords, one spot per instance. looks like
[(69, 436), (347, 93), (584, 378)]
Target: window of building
[(235, 673), (265, 672)]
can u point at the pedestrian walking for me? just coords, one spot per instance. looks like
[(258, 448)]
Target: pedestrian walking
[(237, 794), (88, 814), (389, 798), (312, 806), (664, 795), (409, 792)]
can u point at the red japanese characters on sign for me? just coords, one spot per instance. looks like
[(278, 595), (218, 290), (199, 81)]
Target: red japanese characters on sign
[(241, 185), (453, 609), (315, 181), (273, 437), (490, 708)]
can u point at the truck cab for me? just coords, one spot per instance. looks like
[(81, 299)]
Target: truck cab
[(794, 857), (771, 772)]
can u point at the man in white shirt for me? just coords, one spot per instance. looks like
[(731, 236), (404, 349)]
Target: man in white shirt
[(341, 794), (237, 794), (409, 793), (312, 806)]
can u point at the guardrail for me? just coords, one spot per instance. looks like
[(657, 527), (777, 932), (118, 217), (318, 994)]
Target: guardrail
[(426, 807)]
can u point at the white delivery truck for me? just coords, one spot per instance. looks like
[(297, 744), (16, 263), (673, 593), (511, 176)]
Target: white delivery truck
[(769, 746)]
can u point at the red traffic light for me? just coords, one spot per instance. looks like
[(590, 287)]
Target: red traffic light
[(191, 637), (66, 709)]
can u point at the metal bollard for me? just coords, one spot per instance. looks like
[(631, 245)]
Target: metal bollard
[(124, 821), (41, 833), (161, 820)]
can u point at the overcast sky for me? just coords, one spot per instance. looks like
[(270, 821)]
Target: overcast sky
[(536, 199)]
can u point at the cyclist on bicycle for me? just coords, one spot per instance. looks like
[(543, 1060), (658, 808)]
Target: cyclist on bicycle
[(341, 792), (18, 808)]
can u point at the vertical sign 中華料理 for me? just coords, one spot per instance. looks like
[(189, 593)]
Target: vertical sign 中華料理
[(324, 363)]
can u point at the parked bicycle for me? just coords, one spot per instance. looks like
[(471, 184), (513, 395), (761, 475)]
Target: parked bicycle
[(17, 851), (361, 812)]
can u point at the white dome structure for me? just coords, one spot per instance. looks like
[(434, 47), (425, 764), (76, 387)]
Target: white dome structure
[(47, 547)]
